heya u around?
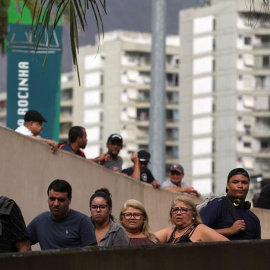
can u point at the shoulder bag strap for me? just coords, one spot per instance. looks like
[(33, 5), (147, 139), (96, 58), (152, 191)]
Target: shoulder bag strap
[(231, 208)]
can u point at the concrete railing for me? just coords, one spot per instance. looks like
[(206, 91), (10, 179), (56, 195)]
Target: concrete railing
[(28, 167), (240, 255)]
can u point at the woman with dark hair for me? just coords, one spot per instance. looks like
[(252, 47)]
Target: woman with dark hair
[(134, 219), (188, 225), (108, 233)]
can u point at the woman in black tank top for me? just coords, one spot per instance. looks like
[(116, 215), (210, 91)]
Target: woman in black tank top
[(188, 225)]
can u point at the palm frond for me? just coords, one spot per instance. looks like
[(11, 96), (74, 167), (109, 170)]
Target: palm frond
[(77, 10), (32, 5)]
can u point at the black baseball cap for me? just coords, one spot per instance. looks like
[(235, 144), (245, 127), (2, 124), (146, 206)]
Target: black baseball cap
[(33, 115), (144, 156), (115, 137)]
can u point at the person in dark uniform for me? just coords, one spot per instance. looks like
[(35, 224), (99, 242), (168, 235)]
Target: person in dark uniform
[(217, 215), (139, 170), (13, 233)]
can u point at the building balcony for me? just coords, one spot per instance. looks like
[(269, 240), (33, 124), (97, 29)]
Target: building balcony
[(66, 103), (65, 118), (264, 45), (260, 134), (265, 154)]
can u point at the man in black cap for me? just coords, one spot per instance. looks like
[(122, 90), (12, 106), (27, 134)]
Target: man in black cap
[(139, 171), (217, 215), (175, 182), (32, 126), (111, 159)]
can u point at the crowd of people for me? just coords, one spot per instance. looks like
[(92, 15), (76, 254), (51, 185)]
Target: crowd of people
[(77, 140), (63, 227), (222, 219)]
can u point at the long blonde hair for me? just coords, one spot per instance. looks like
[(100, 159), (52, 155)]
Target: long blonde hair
[(188, 201), (145, 228)]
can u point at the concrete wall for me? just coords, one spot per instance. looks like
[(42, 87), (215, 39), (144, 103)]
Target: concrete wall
[(28, 167), (240, 255)]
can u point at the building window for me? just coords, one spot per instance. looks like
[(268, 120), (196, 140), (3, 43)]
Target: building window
[(247, 40), (65, 127), (213, 167), (66, 94), (172, 79), (266, 62), (247, 144), (264, 144), (142, 114)]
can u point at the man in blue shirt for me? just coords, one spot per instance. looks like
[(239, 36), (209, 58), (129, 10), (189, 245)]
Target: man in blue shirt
[(217, 215), (61, 227)]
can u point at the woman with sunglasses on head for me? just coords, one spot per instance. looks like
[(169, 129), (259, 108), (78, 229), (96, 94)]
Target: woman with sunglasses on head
[(108, 233), (134, 219), (188, 225)]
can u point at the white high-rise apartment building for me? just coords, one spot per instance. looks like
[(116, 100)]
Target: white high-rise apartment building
[(225, 93), (114, 94)]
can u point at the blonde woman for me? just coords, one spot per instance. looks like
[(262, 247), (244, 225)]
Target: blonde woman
[(188, 225), (134, 219)]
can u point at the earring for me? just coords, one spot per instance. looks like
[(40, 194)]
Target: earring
[(193, 218)]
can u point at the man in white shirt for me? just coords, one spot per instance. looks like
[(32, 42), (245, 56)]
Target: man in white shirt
[(32, 126)]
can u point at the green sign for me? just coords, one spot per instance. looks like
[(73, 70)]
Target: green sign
[(29, 86)]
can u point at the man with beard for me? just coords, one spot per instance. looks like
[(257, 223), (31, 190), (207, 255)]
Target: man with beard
[(111, 159), (61, 227), (77, 140)]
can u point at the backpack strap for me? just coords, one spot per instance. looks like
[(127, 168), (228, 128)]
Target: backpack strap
[(231, 208)]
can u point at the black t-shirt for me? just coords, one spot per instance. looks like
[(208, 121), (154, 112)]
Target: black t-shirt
[(146, 174), (13, 230)]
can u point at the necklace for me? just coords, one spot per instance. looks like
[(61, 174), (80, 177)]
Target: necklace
[(183, 231)]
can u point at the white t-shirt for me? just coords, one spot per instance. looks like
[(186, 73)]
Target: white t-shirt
[(25, 131)]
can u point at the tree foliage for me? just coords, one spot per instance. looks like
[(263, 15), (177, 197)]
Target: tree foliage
[(48, 13), (257, 6)]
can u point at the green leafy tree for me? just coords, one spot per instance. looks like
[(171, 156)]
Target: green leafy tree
[(48, 13)]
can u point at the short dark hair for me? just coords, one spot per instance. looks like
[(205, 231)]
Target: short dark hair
[(59, 185), (75, 132)]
